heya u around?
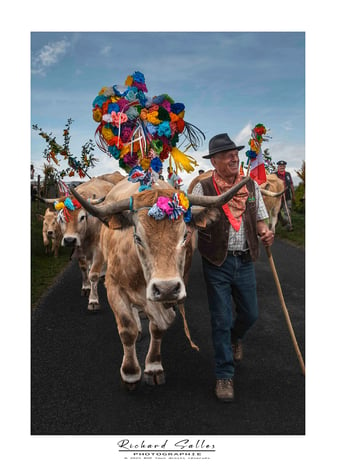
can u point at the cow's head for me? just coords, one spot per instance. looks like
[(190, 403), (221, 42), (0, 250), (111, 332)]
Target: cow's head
[(72, 219), (50, 225), (161, 241)]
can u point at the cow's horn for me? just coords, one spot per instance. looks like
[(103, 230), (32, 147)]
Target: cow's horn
[(216, 201), (48, 200), (102, 211), (271, 193)]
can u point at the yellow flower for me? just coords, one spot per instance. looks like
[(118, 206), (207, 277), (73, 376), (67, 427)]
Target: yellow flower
[(152, 118), (184, 200), (129, 81), (102, 90), (107, 134), (125, 149), (59, 206), (145, 163), (97, 114)]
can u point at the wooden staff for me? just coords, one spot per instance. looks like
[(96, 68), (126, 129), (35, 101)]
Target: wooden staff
[(284, 308)]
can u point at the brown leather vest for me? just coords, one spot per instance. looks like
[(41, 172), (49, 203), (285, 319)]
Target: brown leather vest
[(213, 240)]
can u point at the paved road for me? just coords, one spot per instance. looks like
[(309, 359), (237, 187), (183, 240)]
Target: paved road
[(76, 358)]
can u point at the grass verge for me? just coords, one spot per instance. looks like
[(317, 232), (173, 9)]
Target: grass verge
[(44, 269)]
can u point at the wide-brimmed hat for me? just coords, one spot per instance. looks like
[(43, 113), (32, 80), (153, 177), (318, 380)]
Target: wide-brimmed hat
[(220, 143)]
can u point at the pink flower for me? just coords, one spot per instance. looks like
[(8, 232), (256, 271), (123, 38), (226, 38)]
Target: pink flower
[(163, 204), (118, 118)]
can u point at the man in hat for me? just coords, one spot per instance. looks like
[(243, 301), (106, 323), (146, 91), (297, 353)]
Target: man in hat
[(228, 248), (286, 206)]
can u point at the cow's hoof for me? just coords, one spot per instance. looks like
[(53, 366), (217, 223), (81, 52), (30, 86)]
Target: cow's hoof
[(154, 379), (94, 306), (85, 292), (130, 386)]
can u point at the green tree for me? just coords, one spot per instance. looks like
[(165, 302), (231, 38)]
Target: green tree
[(299, 202)]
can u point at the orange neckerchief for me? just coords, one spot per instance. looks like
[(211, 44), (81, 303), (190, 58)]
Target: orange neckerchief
[(237, 205)]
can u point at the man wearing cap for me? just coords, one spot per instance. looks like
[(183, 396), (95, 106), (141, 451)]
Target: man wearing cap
[(228, 248), (286, 206)]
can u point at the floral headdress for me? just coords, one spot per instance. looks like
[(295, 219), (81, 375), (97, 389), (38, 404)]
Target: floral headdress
[(141, 132), (173, 207), (64, 208)]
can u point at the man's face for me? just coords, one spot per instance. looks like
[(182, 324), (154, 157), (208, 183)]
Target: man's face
[(226, 163), (281, 168)]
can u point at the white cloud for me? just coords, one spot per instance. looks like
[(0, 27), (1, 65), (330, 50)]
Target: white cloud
[(48, 55)]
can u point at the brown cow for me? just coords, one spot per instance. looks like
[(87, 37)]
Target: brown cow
[(51, 232), (147, 263), (272, 191), (81, 232)]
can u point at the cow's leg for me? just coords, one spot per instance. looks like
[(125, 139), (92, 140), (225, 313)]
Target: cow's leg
[(130, 370), (45, 243), (135, 312), (86, 286), (94, 275), (154, 371)]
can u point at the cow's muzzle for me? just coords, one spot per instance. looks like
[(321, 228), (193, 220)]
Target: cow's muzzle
[(70, 241), (165, 290)]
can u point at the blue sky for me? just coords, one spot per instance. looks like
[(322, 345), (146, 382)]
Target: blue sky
[(228, 82)]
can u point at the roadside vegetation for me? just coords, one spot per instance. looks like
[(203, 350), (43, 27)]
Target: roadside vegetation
[(44, 269)]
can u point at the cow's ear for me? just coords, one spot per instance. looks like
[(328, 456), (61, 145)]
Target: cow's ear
[(205, 217), (39, 217)]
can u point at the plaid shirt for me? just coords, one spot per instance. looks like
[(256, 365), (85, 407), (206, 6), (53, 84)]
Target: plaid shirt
[(237, 240)]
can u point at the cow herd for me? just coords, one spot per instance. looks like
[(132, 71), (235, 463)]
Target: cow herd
[(143, 243)]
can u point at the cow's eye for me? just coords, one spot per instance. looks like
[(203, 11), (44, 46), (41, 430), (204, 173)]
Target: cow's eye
[(137, 239), (185, 237), (83, 217)]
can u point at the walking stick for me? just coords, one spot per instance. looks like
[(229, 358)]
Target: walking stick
[(280, 294), (287, 210), (284, 308)]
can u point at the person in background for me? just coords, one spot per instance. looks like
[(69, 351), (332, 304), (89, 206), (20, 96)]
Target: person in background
[(288, 196), (173, 179), (228, 249)]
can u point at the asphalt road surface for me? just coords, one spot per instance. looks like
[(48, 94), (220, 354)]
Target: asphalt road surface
[(76, 355)]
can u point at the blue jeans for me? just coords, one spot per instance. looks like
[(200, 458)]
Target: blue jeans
[(233, 280)]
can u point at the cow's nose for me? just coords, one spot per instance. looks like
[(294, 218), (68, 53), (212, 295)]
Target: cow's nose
[(50, 233), (165, 291), (69, 241)]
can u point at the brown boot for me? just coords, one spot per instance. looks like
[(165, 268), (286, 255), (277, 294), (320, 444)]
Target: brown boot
[(237, 349), (224, 390)]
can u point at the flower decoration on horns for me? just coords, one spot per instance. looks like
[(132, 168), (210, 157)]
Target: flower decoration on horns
[(141, 132), (65, 207), (173, 207)]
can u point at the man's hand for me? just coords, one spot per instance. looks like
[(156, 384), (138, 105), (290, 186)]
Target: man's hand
[(266, 235)]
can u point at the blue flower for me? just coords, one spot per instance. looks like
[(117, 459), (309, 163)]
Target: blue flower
[(99, 100), (164, 129), (156, 164), (114, 151), (177, 108), (152, 129), (68, 204), (113, 107), (139, 77)]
